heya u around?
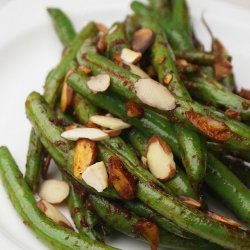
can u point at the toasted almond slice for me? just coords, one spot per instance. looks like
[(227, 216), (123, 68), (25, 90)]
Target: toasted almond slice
[(123, 182), (54, 191), (209, 126), (149, 231), (99, 83), (130, 56), (53, 213), (113, 133), (142, 39), (160, 159), (133, 109), (93, 134), (84, 156), (190, 201), (84, 69), (69, 127), (102, 27), (96, 176), (66, 97), (137, 70), (224, 220), (154, 94), (109, 122)]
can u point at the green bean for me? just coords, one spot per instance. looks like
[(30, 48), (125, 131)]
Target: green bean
[(79, 214), (83, 109), (186, 217), (61, 150), (229, 188), (189, 219), (63, 26), (53, 83), (198, 57), (122, 82), (239, 168), (125, 222), (179, 183), (154, 124), (142, 210), (131, 25), (116, 41), (211, 91), (24, 202), (34, 161)]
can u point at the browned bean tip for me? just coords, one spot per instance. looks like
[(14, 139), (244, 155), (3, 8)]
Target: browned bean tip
[(149, 231)]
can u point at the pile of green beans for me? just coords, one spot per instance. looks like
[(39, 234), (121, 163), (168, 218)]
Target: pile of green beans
[(202, 161)]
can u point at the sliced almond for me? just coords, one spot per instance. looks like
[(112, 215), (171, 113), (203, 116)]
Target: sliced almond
[(69, 127), (101, 44), (123, 182), (112, 29), (209, 126), (142, 39), (96, 176), (109, 122), (190, 201), (102, 27), (53, 213), (154, 94), (168, 78), (93, 134), (84, 156), (133, 109), (99, 83), (130, 56), (224, 219), (149, 231), (54, 191), (160, 159), (66, 97), (113, 133), (137, 70)]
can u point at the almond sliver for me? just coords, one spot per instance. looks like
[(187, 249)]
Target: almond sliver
[(130, 56), (160, 159), (93, 134), (53, 213), (54, 191), (96, 176), (84, 156), (154, 94), (109, 122), (137, 71), (99, 83)]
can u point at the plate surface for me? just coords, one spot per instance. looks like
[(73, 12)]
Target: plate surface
[(29, 48)]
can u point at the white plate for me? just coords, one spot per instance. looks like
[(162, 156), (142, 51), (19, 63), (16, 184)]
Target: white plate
[(29, 48)]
